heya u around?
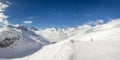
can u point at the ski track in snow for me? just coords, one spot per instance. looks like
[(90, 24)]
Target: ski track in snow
[(82, 50)]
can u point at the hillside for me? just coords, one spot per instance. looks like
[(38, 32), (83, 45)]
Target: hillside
[(100, 42)]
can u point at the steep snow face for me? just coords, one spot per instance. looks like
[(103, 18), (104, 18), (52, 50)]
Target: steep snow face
[(18, 42)]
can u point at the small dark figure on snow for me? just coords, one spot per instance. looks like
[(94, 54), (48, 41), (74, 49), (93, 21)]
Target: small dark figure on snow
[(71, 41)]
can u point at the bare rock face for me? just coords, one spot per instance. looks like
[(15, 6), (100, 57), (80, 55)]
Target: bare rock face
[(8, 41), (24, 28), (8, 36), (34, 29)]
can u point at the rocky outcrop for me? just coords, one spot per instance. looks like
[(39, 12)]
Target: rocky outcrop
[(8, 41)]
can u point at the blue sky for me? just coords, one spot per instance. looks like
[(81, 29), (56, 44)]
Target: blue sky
[(61, 13)]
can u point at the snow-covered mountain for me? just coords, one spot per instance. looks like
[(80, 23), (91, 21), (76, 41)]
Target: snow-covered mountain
[(16, 42), (99, 42), (103, 46), (57, 34)]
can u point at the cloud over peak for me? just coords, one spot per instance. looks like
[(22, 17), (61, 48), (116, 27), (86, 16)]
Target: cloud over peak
[(27, 22), (95, 22)]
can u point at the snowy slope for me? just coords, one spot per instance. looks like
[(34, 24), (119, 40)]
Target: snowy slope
[(22, 42), (103, 46), (86, 42), (58, 34)]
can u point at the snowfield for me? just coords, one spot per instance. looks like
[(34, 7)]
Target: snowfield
[(101, 42)]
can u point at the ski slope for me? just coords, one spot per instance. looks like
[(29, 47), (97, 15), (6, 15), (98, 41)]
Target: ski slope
[(81, 50), (96, 51), (103, 46)]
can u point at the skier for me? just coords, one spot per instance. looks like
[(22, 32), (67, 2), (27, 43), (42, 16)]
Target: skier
[(71, 41), (91, 40)]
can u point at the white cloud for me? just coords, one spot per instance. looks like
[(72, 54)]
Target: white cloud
[(3, 18), (32, 17), (95, 22), (99, 22), (27, 22), (114, 23), (3, 6), (8, 2)]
